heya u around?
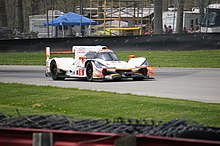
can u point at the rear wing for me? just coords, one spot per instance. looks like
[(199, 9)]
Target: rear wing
[(48, 52)]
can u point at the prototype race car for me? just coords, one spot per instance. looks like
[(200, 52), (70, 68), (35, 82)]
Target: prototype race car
[(96, 62)]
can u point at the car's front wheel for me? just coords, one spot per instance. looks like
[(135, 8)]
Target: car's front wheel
[(89, 71), (53, 70)]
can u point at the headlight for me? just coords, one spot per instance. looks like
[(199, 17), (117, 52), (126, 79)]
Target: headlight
[(99, 65)]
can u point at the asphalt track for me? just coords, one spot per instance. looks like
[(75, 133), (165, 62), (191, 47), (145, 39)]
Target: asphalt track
[(195, 84)]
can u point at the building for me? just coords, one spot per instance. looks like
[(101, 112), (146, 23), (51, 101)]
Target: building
[(190, 19)]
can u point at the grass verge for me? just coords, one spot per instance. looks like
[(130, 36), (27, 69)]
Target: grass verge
[(30, 99), (196, 59)]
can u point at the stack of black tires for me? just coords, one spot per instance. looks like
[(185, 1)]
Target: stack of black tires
[(173, 128)]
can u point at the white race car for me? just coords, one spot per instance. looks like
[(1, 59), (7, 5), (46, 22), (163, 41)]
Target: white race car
[(96, 62)]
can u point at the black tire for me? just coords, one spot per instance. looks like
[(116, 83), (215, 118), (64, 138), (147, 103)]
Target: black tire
[(144, 71), (89, 71), (53, 70)]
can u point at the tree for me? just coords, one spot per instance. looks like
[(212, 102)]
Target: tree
[(158, 29), (3, 14), (179, 22), (20, 16), (165, 5), (202, 5), (34, 7)]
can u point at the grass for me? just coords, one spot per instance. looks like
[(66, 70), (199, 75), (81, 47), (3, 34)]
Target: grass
[(195, 59), (30, 99)]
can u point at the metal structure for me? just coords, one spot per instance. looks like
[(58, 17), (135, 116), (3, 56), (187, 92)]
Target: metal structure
[(131, 11)]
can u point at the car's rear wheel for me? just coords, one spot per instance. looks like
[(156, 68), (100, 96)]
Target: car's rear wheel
[(89, 71), (53, 69)]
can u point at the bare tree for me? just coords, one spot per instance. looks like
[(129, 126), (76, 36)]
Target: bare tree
[(202, 4), (179, 22), (3, 15), (165, 5), (158, 29), (74, 4), (20, 16), (65, 6), (34, 7)]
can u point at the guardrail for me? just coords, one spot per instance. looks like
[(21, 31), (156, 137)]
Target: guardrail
[(34, 137), (193, 41)]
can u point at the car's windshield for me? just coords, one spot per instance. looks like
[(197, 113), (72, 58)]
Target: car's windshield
[(107, 56)]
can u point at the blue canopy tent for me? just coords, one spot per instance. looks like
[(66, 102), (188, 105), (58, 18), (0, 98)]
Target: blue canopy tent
[(70, 19)]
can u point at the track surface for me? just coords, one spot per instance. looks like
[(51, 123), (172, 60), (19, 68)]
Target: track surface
[(179, 83)]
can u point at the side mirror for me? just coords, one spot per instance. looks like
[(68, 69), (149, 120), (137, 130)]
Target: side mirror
[(131, 56)]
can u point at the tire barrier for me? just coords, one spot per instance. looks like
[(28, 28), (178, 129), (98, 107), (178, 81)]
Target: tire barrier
[(173, 128), (6, 33), (191, 41)]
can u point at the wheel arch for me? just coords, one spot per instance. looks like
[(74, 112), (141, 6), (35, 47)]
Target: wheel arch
[(58, 65), (54, 71), (89, 72), (51, 62)]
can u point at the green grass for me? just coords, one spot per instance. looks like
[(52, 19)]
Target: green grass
[(195, 59), (92, 104), (30, 99), (22, 58)]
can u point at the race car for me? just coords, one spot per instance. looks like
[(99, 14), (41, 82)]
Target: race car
[(95, 63)]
